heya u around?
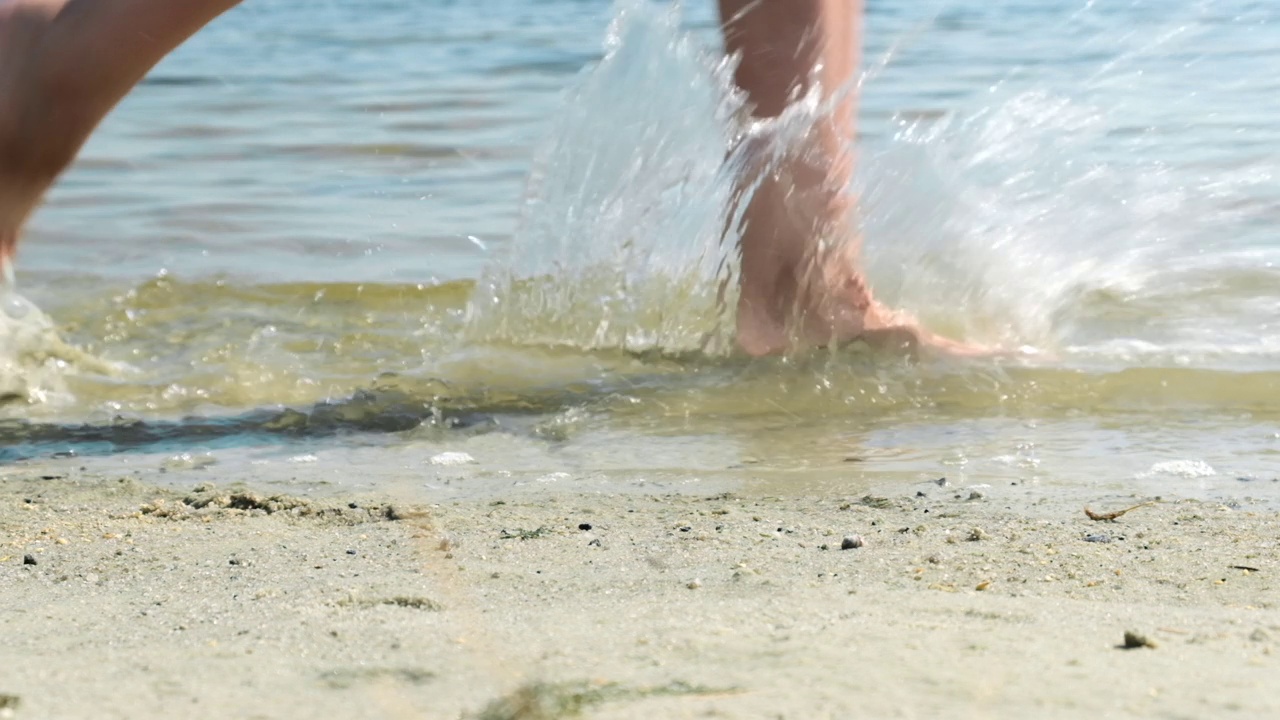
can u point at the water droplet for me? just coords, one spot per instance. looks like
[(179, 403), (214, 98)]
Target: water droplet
[(15, 307)]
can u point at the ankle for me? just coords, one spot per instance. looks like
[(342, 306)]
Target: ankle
[(8, 246)]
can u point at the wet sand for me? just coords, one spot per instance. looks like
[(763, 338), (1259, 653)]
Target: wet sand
[(146, 601)]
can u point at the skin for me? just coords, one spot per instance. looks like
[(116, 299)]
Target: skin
[(64, 64), (801, 281)]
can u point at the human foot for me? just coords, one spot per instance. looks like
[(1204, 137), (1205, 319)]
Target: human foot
[(833, 306), (800, 288)]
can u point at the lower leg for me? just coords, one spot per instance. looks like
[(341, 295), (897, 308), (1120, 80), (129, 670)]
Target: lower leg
[(799, 271), (800, 275), (64, 64)]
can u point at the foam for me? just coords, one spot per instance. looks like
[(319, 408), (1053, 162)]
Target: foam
[(35, 362)]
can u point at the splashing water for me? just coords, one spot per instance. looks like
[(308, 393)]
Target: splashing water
[(1064, 206), (620, 237), (629, 232), (34, 361), (1092, 179), (13, 306), (1040, 212)]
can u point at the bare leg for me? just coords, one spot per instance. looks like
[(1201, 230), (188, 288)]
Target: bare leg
[(64, 64), (800, 276)]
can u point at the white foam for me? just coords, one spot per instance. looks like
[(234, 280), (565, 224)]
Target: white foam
[(450, 459), (1180, 468)]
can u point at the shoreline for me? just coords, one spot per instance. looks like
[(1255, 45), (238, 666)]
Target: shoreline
[(148, 601)]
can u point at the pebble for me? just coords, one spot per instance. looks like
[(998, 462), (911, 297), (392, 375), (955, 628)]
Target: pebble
[(1097, 538), (851, 541), (694, 584), (1133, 640), (584, 526), (8, 706), (29, 560)]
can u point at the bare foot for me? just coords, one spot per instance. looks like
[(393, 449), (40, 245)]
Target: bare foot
[(837, 308), (905, 333), (797, 289)]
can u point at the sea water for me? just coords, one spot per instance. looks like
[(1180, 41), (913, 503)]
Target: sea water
[(351, 238)]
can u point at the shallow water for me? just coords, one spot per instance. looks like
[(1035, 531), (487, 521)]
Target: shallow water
[(389, 232)]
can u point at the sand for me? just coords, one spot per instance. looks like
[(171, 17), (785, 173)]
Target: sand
[(213, 602)]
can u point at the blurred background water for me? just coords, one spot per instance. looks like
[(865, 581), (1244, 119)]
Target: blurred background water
[(357, 235)]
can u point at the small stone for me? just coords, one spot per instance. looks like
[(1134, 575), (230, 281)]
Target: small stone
[(1133, 640), (351, 552), (1097, 538), (975, 495), (584, 526), (694, 584), (29, 560), (851, 541), (976, 534)]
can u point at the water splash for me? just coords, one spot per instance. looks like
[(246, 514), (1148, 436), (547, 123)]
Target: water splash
[(34, 360), (1047, 208), (1061, 204), (620, 241), (1015, 218)]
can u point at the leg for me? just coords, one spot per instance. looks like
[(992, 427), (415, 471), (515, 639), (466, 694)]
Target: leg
[(63, 65), (800, 277), (788, 287)]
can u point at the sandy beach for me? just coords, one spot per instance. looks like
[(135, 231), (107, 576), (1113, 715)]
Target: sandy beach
[(397, 360), (126, 599)]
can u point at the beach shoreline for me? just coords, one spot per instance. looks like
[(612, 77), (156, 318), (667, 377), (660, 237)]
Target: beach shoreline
[(127, 599)]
